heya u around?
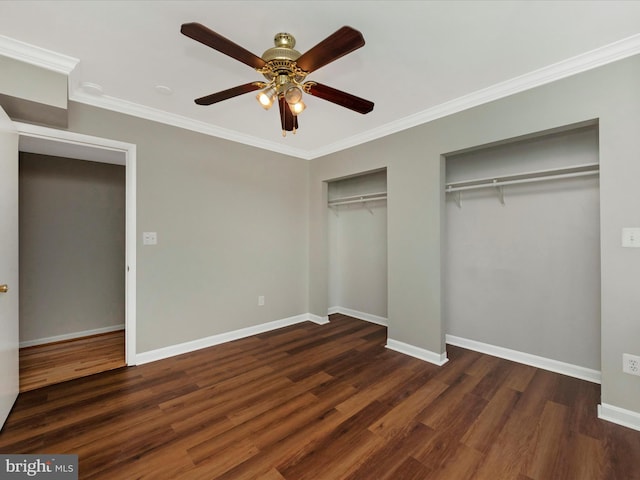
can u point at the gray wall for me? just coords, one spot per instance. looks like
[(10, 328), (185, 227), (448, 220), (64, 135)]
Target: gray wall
[(235, 222), (526, 275), (231, 223), (416, 227), (72, 244), (358, 246)]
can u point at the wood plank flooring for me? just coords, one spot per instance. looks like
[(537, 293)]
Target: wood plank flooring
[(43, 365), (325, 402)]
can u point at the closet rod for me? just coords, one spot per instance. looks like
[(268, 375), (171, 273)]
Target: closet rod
[(524, 180), (346, 202), (578, 171), (369, 197)]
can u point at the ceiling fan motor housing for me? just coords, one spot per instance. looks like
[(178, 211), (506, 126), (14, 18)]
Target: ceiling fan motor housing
[(280, 60)]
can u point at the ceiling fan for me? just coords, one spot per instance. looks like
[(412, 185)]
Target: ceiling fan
[(285, 70)]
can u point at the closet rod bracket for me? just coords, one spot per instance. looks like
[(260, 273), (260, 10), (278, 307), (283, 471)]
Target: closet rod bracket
[(500, 191)]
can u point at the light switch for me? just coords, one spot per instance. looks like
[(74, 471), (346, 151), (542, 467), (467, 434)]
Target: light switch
[(149, 238), (631, 237)]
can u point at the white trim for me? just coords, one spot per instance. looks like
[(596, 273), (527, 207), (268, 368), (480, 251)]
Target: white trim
[(549, 364), (71, 336), (186, 347), (417, 352), (613, 52), (130, 281), (77, 139), (153, 114), (367, 317), (129, 151), (620, 416), (318, 319), (619, 50), (37, 56)]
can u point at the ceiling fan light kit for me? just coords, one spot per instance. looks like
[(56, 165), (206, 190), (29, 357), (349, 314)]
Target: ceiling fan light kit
[(267, 97), (285, 70)]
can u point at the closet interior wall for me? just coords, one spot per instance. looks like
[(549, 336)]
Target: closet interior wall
[(525, 275), (358, 246)]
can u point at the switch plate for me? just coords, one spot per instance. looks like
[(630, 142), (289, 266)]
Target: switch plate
[(261, 300), (631, 237), (149, 238)]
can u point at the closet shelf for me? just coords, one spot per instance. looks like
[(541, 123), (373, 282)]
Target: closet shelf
[(540, 175), (369, 197)]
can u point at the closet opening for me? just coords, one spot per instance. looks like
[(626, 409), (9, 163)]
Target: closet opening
[(522, 250), (357, 230)]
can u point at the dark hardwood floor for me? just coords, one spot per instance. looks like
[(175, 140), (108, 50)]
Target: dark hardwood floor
[(51, 363), (325, 402)]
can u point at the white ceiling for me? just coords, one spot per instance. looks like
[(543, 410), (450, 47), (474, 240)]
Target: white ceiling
[(422, 59)]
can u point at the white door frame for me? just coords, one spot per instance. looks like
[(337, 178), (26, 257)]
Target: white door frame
[(107, 151)]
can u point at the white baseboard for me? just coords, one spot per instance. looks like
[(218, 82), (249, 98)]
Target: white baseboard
[(318, 319), (368, 317), (533, 360), (417, 352), (179, 349), (71, 336), (620, 416)]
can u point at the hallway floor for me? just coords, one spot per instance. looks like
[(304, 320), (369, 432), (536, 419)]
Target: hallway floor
[(52, 363)]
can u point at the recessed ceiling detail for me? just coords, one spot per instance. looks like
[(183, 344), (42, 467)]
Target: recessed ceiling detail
[(163, 90)]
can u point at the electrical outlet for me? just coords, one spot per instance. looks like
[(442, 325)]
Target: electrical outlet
[(149, 238), (631, 364), (261, 300)]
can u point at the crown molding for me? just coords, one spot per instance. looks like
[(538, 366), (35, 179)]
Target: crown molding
[(153, 114), (37, 56), (581, 63)]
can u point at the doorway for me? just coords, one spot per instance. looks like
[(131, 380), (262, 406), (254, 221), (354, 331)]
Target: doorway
[(77, 147), (72, 268)]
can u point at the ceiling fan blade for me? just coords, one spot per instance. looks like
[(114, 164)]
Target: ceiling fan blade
[(230, 93), (288, 121), (216, 41), (336, 45), (338, 97)]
